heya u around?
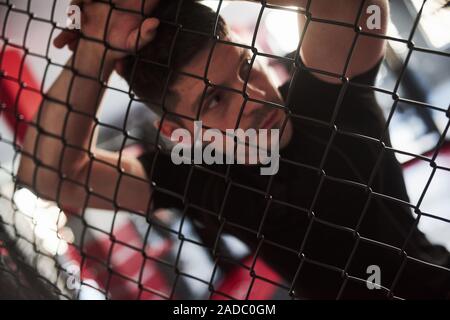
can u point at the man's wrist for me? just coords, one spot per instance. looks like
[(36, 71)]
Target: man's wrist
[(91, 59)]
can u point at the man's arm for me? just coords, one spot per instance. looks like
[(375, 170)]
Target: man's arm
[(59, 160), (45, 159), (326, 47)]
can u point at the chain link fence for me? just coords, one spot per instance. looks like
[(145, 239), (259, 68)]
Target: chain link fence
[(204, 241)]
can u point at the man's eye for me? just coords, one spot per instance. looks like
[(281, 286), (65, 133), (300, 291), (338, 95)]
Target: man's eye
[(246, 68), (214, 101)]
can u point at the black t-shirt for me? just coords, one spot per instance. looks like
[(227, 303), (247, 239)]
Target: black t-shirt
[(337, 205)]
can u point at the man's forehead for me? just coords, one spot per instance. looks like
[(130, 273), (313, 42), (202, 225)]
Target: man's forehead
[(223, 57)]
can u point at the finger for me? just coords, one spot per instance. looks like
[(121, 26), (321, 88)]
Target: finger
[(64, 38), (148, 31), (150, 24), (146, 34), (73, 45)]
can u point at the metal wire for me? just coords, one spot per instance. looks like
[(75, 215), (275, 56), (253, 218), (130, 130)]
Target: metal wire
[(10, 240)]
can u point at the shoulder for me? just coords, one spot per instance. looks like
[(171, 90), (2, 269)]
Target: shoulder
[(310, 96), (350, 106)]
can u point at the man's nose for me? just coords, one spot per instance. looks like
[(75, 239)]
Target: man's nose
[(257, 97)]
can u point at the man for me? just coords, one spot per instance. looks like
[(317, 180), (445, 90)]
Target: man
[(336, 208)]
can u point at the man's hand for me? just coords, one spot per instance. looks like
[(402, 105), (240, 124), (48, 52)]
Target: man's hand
[(327, 46), (124, 26)]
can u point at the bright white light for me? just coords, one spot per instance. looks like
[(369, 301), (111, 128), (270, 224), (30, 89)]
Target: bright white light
[(283, 26), (45, 219), (90, 291), (213, 4), (435, 22), (399, 47)]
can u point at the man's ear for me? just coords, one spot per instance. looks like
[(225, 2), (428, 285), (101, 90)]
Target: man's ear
[(166, 127)]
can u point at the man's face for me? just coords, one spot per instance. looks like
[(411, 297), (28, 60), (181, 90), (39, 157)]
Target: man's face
[(224, 108)]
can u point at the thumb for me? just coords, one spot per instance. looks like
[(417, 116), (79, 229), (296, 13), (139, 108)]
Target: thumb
[(138, 39)]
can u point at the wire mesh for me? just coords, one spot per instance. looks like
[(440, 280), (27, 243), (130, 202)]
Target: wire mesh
[(61, 272)]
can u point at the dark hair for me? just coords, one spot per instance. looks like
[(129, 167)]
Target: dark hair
[(186, 28)]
